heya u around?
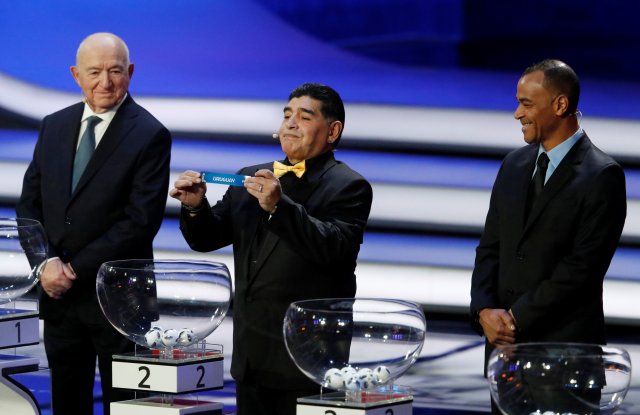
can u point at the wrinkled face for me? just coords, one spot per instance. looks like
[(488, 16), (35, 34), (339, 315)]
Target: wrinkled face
[(102, 72), (537, 109), (304, 132)]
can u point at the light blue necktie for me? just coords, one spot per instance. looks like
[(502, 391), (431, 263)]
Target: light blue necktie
[(85, 150)]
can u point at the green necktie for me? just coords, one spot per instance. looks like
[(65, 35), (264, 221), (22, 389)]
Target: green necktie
[(85, 150)]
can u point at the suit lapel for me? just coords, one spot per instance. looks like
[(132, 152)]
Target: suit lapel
[(525, 169), (69, 141), (117, 131), (560, 177)]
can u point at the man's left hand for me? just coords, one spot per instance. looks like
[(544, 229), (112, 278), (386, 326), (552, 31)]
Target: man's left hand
[(265, 187)]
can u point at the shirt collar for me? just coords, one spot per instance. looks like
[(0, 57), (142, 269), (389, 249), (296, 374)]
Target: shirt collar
[(105, 116), (560, 151)]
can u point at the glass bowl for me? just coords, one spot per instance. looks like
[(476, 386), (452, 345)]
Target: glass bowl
[(558, 378), (23, 254), (164, 304), (354, 345)]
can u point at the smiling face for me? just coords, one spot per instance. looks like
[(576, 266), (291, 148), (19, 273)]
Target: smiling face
[(102, 71), (540, 111), (304, 131)]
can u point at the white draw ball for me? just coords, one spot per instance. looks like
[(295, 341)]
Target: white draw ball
[(365, 375), (170, 337), (333, 379), (185, 337), (381, 375), (153, 337)]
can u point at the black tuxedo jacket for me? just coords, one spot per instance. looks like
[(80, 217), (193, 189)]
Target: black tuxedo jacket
[(117, 206), (549, 268), (308, 250)]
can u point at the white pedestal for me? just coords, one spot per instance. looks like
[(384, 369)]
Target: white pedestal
[(15, 399), (18, 328), (366, 403), (185, 373), (159, 406)]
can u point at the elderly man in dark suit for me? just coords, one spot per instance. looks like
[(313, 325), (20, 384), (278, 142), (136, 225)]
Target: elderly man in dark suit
[(555, 217), (98, 183), (295, 237)]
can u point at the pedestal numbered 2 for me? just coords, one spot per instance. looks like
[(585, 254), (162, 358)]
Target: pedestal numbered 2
[(168, 376), (186, 374)]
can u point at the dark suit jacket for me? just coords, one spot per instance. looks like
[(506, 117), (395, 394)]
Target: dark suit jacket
[(117, 206), (309, 250), (550, 268)]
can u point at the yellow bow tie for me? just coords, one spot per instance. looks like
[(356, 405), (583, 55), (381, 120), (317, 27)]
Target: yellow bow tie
[(280, 169)]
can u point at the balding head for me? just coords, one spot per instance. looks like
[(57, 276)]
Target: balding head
[(103, 70), (103, 39)]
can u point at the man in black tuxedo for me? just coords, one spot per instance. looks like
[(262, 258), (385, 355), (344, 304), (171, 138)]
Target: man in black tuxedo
[(294, 238), (555, 217), (98, 201)]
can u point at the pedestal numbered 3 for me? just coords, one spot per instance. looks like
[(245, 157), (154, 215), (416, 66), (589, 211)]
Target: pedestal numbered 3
[(167, 375), (372, 404), (18, 328)]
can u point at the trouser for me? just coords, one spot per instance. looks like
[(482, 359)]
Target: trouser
[(72, 345)]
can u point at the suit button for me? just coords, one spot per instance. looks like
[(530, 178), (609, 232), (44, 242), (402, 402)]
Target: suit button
[(67, 220), (510, 291), (519, 256)]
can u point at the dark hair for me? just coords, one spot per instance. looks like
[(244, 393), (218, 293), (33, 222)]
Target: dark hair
[(332, 107), (559, 78)]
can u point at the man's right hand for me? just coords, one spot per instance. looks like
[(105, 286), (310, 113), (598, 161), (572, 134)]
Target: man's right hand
[(189, 189), (498, 326), (56, 278)]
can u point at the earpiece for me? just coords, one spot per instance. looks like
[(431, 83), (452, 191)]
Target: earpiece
[(275, 136)]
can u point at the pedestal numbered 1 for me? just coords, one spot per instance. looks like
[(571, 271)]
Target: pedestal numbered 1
[(18, 328), (168, 376)]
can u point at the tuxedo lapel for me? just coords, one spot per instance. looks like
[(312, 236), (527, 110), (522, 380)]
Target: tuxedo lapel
[(299, 193)]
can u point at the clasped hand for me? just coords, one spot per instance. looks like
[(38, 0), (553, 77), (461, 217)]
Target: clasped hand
[(57, 278), (498, 325)]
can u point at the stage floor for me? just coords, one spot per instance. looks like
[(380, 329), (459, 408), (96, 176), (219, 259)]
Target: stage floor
[(446, 380)]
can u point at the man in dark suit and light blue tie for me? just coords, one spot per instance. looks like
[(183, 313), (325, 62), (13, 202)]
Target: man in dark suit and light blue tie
[(555, 217), (98, 183), (296, 228)]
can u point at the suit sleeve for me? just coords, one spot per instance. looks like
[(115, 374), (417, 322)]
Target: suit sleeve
[(30, 202), (211, 228), (335, 229), (143, 211), (487, 263), (583, 268)]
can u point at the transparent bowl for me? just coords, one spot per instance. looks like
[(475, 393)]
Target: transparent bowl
[(356, 345), (164, 304), (558, 378), (23, 254)]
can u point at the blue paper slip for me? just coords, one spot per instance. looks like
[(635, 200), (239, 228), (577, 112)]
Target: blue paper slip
[(223, 178)]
